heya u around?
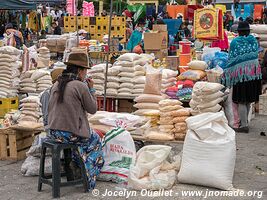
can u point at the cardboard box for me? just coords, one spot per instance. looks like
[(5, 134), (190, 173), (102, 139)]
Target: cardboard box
[(159, 54), (156, 41), (160, 27), (172, 62)]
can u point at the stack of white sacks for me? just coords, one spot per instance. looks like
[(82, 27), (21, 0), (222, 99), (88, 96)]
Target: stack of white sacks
[(42, 79), (113, 80), (30, 110), (169, 79), (261, 30), (97, 72), (27, 85), (127, 62), (148, 102), (139, 80), (35, 81), (9, 71), (206, 97), (43, 60)]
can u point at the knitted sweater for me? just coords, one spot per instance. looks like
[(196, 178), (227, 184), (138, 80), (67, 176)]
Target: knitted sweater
[(243, 64)]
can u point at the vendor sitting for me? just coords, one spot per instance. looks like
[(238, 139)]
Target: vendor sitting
[(71, 98)]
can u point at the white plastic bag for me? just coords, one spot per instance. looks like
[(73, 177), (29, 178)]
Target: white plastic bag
[(151, 170), (209, 152), (120, 154)]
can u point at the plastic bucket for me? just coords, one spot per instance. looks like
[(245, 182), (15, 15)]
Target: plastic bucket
[(185, 59), (184, 47)]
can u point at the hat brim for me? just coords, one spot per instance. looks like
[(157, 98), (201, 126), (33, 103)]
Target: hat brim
[(77, 64)]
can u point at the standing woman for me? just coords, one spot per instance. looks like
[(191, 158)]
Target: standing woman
[(243, 73), (70, 101)]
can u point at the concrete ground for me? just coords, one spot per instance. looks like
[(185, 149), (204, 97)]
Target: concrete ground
[(250, 176)]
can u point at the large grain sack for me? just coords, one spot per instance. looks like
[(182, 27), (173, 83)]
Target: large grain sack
[(209, 152), (153, 81), (129, 57), (198, 65), (148, 98)]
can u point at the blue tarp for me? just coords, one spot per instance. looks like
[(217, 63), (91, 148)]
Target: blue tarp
[(173, 25)]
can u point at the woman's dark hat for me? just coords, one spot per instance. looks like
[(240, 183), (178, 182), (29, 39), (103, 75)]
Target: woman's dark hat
[(243, 26), (78, 59)]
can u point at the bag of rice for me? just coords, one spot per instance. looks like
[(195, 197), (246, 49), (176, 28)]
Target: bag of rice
[(193, 75), (126, 85), (129, 57), (169, 102), (113, 79), (198, 65), (139, 80), (113, 85), (39, 73), (153, 81), (127, 69), (152, 106), (126, 74), (139, 68), (179, 119), (204, 88), (125, 80), (148, 98)]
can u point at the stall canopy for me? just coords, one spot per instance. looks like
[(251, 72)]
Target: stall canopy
[(16, 5)]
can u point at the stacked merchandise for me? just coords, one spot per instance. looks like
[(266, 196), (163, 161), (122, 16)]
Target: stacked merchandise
[(127, 63), (168, 109), (30, 110), (43, 58), (169, 78), (9, 71), (148, 102), (42, 79), (94, 46), (180, 127), (27, 85), (97, 72), (261, 30), (139, 76), (113, 81), (187, 79), (206, 97)]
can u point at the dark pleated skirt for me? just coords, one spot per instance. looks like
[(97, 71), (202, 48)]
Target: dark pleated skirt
[(247, 92)]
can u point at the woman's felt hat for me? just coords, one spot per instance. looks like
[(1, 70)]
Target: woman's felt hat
[(78, 59)]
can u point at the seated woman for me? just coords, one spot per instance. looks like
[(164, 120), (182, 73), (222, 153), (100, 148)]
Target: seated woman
[(70, 101)]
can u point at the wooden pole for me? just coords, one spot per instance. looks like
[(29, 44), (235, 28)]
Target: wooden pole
[(107, 58)]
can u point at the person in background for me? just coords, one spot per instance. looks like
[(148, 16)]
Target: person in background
[(61, 22), (2, 31), (43, 34), (56, 29), (129, 28), (186, 31), (243, 73), (264, 19), (72, 97), (44, 99), (234, 27), (137, 35), (15, 37)]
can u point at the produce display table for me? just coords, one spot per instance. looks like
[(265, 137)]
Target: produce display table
[(14, 143)]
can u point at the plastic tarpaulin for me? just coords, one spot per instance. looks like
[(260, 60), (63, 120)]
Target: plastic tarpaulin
[(173, 25), (17, 5)]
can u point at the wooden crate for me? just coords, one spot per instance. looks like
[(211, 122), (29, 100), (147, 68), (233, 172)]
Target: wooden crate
[(15, 143), (263, 104)]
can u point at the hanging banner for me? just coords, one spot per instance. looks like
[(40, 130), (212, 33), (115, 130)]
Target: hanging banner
[(208, 24), (71, 7), (88, 9)]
